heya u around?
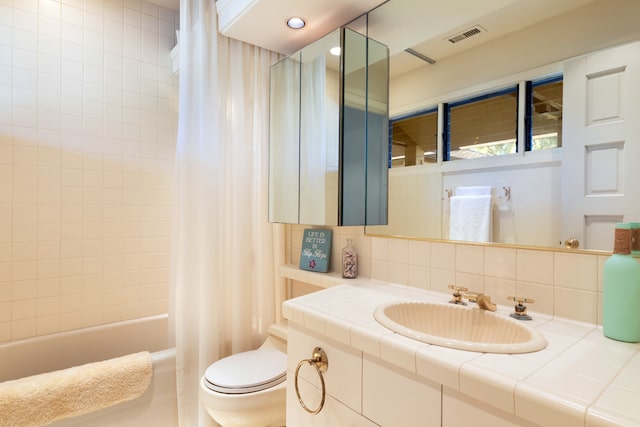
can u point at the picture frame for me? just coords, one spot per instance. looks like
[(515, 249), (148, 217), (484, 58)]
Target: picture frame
[(315, 254)]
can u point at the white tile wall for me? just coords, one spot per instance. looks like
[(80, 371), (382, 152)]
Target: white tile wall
[(562, 283), (87, 133)]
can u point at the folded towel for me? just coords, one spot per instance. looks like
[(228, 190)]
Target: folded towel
[(41, 399), (470, 218), (474, 190)]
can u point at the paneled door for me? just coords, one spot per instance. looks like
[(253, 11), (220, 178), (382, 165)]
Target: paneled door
[(601, 149)]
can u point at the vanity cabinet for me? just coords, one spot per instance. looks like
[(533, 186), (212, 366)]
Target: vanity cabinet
[(329, 148), (461, 410), (364, 391), (360, 390), (390, 397), (562, 384), (343, 382)]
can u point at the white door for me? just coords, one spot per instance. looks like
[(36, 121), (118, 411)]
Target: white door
[(601, 145)]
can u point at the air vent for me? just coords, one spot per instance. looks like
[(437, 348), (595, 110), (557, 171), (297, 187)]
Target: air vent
[(474, 31)]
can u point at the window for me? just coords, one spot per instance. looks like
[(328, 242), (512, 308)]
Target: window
[(414, 139), (483, 126), (544, 115)]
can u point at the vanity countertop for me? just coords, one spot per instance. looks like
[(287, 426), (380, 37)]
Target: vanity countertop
[(580, 379)]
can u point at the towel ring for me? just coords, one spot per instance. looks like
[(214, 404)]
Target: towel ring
[(321, 363)]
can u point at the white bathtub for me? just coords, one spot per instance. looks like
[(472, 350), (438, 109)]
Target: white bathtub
[(157, 407)]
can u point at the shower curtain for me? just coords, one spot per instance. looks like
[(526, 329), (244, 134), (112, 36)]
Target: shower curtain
[(223, 277)]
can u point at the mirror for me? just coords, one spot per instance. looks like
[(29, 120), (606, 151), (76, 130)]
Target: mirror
[(364, 149), (460, 50), (328, 140), (319, 131), (284, 157)]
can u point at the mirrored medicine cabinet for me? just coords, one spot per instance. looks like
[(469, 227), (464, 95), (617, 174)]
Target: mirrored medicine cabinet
[(328, 155)]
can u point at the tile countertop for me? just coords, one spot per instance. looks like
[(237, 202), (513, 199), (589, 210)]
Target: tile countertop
[(580, 379)]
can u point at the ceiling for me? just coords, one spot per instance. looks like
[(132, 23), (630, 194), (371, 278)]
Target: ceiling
[(427, 26), (263, 22), (423, 25)]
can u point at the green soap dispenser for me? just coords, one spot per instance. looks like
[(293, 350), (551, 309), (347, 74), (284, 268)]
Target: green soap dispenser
[(621, 281)]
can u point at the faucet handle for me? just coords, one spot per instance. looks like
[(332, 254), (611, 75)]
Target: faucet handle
[(520, 309), (457, 294)]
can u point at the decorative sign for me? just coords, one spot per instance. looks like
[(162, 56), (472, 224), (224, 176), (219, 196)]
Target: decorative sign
[(316, 250)]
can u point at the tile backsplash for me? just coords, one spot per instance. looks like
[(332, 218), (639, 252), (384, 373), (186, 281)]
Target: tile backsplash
[(562, 283), (88, 119)]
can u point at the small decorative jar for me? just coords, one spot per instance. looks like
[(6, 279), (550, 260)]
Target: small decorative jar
[(349, 261)]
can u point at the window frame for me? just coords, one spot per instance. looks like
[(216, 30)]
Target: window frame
[(528, 118), (412, 115), (446, 137), (523, 116)]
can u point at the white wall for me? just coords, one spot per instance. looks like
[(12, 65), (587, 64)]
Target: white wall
[(87, 138)]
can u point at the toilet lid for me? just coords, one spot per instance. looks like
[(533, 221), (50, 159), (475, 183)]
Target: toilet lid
[(247, 372)]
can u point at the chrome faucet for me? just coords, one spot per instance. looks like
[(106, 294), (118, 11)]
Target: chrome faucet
[(483, 301)]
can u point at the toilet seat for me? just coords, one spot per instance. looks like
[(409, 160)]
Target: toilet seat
[(247, 372)]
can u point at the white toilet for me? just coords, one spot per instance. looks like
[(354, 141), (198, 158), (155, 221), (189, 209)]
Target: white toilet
[(249, 389)]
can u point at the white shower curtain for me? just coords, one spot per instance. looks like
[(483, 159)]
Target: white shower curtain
[(223, 276)]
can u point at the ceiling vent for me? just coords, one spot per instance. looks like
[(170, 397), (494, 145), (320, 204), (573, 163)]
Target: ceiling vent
[(473, 31)]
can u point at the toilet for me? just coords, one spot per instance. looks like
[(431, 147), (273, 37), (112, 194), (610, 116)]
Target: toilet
[(248, 389)]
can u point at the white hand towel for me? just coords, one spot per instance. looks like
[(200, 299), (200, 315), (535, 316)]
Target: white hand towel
[(470, 218)]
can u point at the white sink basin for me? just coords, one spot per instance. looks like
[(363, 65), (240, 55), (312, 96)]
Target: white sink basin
[(460, 327)]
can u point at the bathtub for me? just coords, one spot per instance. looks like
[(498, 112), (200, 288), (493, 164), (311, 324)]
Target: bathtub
[(157, 407)]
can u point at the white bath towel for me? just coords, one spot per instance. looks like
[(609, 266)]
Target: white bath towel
[(39, 400), (470, 218)]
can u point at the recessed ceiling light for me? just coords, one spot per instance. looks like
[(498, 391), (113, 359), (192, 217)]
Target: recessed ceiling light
[(296, 23), (335, 51)]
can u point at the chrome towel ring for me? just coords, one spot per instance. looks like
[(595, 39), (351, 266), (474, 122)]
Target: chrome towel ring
[(321, 363)]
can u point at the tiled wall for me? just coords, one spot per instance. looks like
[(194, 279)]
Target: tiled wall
[(562, 283), (88, 121)]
